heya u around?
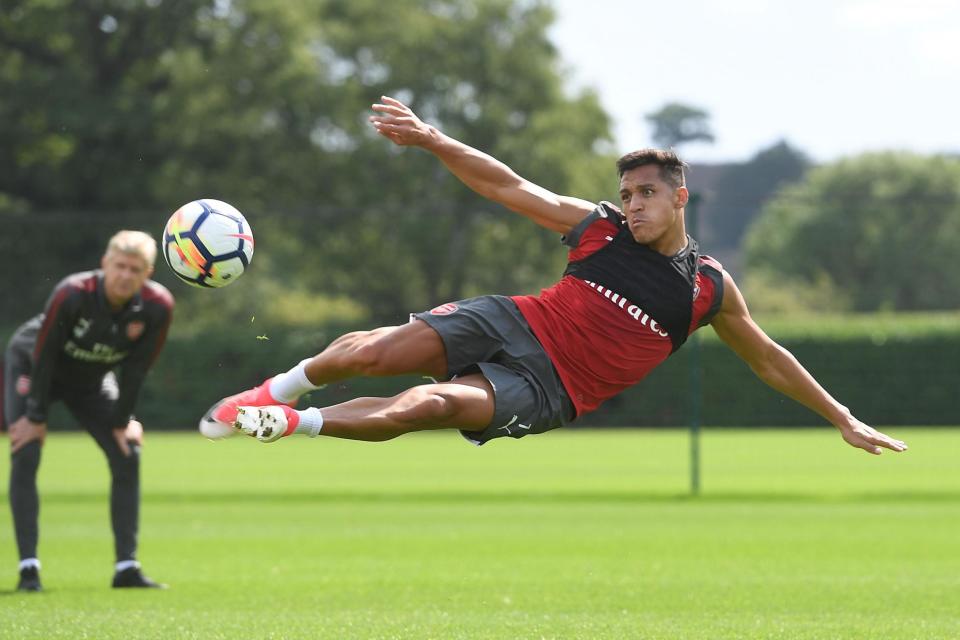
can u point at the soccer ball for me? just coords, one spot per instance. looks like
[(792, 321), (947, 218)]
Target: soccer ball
[(207, 243)]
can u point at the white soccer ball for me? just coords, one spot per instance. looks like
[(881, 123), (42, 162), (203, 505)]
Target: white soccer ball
[(207, 243)]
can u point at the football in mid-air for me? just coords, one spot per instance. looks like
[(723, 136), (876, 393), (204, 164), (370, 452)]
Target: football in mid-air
[(207, 243)]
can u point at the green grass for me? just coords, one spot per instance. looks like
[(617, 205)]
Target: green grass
[(572, 534)]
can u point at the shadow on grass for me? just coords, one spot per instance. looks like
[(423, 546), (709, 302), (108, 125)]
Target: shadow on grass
[(542, 497)]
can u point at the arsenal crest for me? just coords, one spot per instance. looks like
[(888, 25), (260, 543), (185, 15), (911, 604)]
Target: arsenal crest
[(135, 329), (444, 309)]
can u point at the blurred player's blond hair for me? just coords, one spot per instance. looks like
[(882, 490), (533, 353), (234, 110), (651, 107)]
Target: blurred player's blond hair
[(134, 243)]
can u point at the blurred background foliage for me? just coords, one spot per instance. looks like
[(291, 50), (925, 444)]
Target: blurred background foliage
[(877, 230), (116, 112), (125, 110)]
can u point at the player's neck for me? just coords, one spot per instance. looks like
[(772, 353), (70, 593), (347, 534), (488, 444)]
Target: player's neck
[(116, 304), (672, 242)]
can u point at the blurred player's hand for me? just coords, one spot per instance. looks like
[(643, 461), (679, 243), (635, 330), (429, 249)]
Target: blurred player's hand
[(132, 433), (865, 437), (398, 123), (23, 431)]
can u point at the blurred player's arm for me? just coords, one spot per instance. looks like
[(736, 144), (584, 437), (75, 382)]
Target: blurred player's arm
[(126, 428), (481, 172), (134, 369), (780, 369), (60, 314)]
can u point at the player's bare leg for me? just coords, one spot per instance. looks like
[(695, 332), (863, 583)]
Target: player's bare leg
[(386, 351), (466, 403)]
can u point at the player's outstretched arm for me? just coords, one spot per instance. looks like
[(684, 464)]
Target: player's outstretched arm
[(780, 369), (481, 172)]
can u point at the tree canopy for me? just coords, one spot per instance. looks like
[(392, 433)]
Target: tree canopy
[(123, 110), (675, 124), (878, 229)]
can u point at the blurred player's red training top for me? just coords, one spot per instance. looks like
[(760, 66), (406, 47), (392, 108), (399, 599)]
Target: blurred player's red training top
[(621, 308)]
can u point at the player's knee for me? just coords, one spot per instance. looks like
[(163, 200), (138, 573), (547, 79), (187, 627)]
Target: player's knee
[(25, 462), (125, 468), (428, 406)]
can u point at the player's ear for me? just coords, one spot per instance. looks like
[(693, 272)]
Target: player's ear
[(103, 261), (680, 197)]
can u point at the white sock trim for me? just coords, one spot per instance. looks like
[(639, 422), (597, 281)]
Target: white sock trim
[(288, 386), (123, 565), (29, 562), (311, 421)]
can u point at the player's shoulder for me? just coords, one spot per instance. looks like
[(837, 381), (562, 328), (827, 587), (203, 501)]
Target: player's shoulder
[(605, 216), (604, 211), (706, 262), (80, 284), (81, 281), (155, 294), (607, 211)]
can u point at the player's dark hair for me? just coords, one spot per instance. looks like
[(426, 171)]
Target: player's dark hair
[(671, 166)]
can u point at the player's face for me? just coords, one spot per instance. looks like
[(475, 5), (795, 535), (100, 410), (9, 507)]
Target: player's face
[(124, 274), (652, 207)]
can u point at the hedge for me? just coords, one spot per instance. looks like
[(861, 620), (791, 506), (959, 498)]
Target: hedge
[(890, 369)]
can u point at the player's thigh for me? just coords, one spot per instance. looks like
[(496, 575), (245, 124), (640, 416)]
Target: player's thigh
[(95, 409), (410, 348)]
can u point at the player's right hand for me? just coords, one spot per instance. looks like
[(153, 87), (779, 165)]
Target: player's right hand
[(24, 431), (865, 437), (397, 122)]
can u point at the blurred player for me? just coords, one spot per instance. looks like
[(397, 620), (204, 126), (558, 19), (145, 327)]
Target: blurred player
[(634, 289), (94, 322)]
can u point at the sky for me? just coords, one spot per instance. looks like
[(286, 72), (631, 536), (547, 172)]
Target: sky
[(833, 78)]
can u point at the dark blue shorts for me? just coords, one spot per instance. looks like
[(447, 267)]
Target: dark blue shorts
[(489, 334)]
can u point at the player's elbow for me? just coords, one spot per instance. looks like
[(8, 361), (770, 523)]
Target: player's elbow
[(507, 190)]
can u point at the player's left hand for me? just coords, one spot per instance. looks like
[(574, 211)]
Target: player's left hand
[(132, 433), (862, 436)]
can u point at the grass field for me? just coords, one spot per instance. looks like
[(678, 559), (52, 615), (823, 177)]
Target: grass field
[(572, 534)]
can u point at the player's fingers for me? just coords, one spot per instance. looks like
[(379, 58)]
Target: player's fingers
[(390, 109), (394, 102), (17, 441), (890, 443), (388, 136), (392, 121), (867, 446), (121, 437), (394, 134), (857, 440), (386, 132)]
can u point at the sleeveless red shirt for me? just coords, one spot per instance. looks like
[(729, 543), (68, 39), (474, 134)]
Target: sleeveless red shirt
[(600, 342)]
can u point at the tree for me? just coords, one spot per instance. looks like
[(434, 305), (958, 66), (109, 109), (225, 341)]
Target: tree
[(136, 107), (675, 124), (880, 229)]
